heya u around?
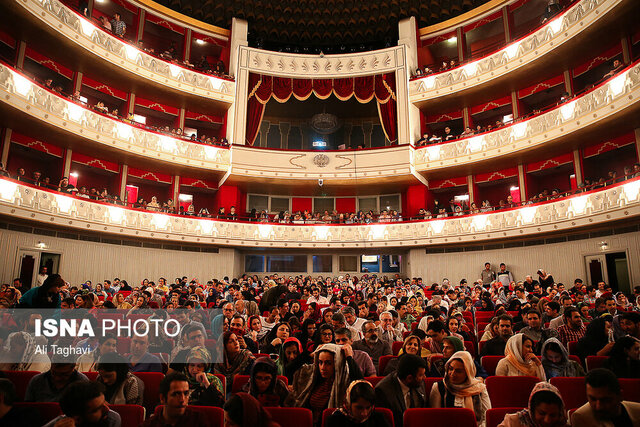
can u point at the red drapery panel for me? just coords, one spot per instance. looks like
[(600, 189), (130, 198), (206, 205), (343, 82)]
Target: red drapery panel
[(343, 88), (322, 88), (302, 88), (386, 85), (363, 88), (382, 87), (282, 89)]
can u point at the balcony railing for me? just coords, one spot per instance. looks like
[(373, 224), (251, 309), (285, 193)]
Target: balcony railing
[(81, 31), (515, 55), (24, 94), (610, 97), (616, 202)]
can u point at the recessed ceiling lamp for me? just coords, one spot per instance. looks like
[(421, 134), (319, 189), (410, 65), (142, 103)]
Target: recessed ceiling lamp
[(200, 42), (452, 39)]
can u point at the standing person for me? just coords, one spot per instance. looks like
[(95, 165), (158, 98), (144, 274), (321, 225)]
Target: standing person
[(118, 26), (504, 276), (487, 275), (45, 296), (605, 406), (460, 388), (42, 276)]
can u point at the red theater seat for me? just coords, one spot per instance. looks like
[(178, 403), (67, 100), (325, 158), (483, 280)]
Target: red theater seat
[(630, 389), (490, 363), (374, 380), (132, 415), (123, 345), (428, 384), (470, 347), (496, 415), (386, 413), (213, 413), (572, 346), (459, 417), (572, 389), (151, 382), (383, 362), (91, 375), (20, 379), (46, 410), (395, 347), (594, 362), (291, 417), (510, 391)]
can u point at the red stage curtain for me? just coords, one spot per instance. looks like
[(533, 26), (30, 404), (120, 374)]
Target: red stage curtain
[(263, 88), (385, 93), (302, 88), (363, 89), (282, 89), (343, 88), (255, 104), (323, 88)]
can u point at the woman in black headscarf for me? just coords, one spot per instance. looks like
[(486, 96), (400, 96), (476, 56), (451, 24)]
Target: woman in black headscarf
[(598, 339), (265, 385)]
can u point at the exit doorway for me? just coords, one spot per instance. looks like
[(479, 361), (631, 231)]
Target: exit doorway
[(611, 268)]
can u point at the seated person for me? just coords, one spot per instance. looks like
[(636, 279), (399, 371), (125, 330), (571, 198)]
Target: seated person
[(265, 385), (140, 360), (174, 396), (324, 383), (404, 388), (236, 360), (624, 359), (450, 346), (556, 362), (496, 346), (363, 360), (412, 345), (242, 409), (20, 354), (49, 386), (520, 359), (546, 408), (596, 340), (83, 404), (460, 388), (604, 405), (206, 388), (358, 409), (121, 387), (9, 414), (87, 361), (291, 358)]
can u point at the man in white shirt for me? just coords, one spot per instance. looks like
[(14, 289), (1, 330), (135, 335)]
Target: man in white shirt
[(42, 276), (317, 298), (352, 321)]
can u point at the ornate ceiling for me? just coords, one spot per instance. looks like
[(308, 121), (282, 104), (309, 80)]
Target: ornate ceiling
[(320, 23)]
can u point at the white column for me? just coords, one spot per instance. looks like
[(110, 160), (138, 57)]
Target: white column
[(522, 183), (408, 114), (6, 144), (577, 166), (237, 115), (67, 162)]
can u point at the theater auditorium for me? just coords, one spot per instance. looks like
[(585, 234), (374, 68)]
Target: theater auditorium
[(319, 213)]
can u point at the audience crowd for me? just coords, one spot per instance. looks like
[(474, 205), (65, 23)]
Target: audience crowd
[(320, 342)]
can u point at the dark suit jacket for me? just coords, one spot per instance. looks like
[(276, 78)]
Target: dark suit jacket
[(494, 347), (389, 395)]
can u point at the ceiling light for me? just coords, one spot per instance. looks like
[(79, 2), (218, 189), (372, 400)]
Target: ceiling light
[(452, 39), (200, 42)]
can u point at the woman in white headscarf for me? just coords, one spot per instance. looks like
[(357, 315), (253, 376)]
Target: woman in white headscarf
[(324, 383), (20, 354), (520, 359), (460, 388)]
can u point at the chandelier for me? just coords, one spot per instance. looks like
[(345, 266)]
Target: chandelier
[(325, 123)]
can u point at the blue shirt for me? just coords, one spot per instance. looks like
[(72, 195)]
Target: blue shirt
[(147, 363)]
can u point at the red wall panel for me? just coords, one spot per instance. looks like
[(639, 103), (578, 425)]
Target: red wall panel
[(345, 204), (301, 204)]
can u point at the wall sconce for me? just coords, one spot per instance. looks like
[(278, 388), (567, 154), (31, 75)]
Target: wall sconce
[(604, 246), (41, 245)]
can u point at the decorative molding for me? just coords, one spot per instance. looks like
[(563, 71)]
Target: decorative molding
[(78, 30), (301, 66), (620, 201), (514, 56)]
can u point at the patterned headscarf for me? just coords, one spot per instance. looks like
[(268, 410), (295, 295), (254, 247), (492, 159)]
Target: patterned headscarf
[(525, 417), (472, 386), (346, 408)]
